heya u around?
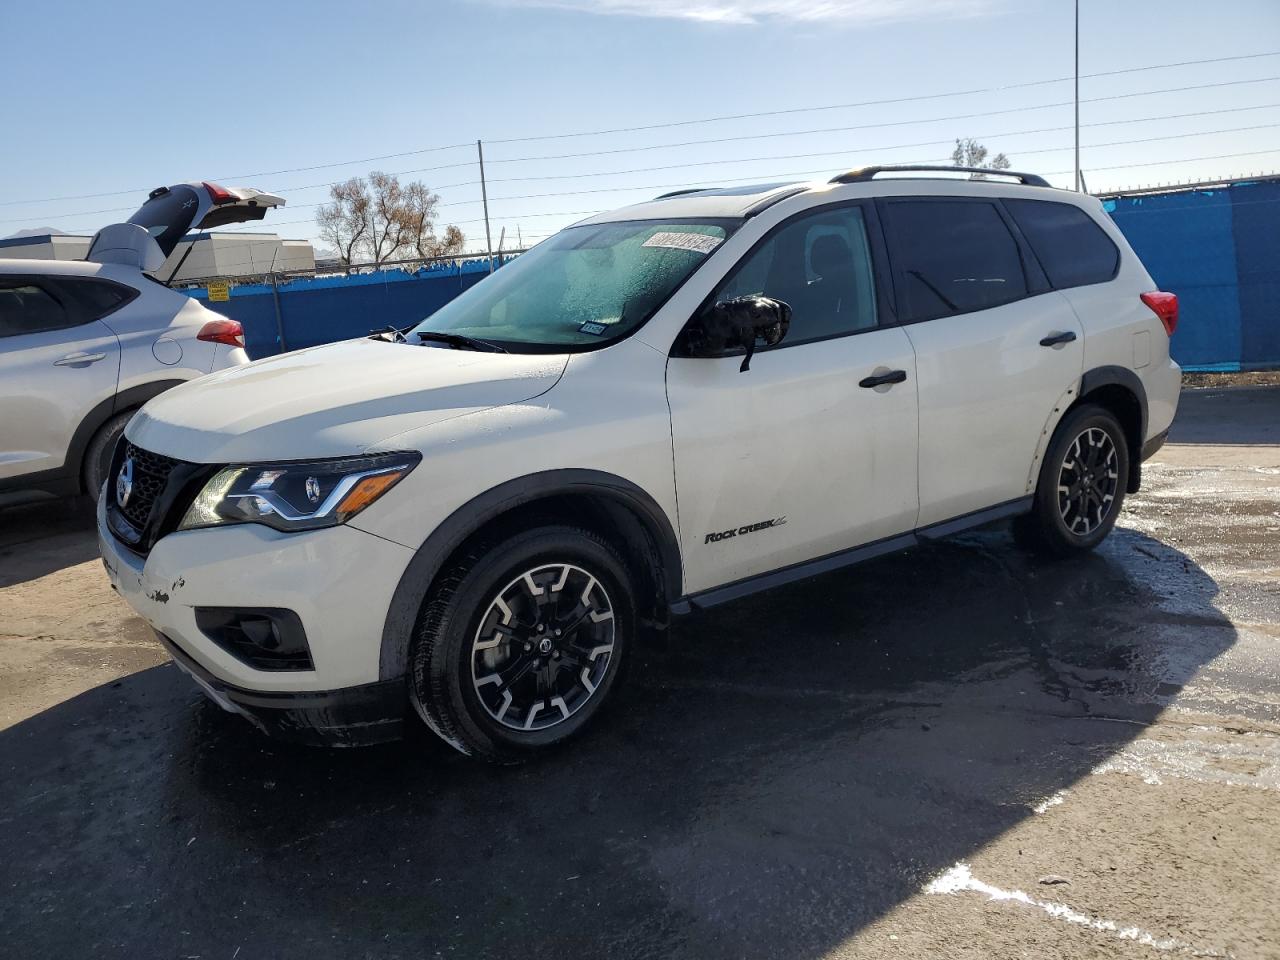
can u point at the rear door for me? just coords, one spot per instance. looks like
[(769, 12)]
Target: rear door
[(996, 349), (57, 362), (171, 211), (812, 450)]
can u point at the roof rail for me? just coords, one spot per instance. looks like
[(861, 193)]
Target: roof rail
[(863, 174), (681, 193)]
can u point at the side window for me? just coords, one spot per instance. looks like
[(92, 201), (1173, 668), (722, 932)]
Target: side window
[(92, 299), (820, 265), (951, 257), (25, 308), (1071, 247)]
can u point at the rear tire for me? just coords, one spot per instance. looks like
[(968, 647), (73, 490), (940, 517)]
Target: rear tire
[(521, 642), (97, 456), (1081, 486)]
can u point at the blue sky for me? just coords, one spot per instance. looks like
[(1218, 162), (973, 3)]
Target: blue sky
[(119, 98)]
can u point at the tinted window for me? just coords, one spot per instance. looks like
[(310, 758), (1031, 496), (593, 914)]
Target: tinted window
[(25, 308), (97, 298), (952, 256), (818, 264), (1070, 246)]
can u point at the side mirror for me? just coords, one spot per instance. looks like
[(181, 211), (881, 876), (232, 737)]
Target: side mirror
[(742, 321)]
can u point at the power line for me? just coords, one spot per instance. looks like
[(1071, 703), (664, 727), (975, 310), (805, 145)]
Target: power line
[(887, 102), (927, 143), (1162, 163), (1223, 156), (877, 126), (828, 153), (691, 122), (741, 138), (806, 173), (792, 133)]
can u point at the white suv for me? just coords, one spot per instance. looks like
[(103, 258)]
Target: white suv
[(659, 409)]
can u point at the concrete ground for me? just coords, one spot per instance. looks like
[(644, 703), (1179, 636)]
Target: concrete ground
[(955, 752)]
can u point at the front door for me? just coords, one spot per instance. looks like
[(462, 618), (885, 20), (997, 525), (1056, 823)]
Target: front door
[(812, 450)]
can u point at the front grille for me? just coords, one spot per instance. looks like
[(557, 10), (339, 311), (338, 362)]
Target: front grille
[(150, 474), (158, 489)]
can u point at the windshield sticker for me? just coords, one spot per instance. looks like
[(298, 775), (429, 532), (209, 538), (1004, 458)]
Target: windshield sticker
[(595, 329), (697, 242)]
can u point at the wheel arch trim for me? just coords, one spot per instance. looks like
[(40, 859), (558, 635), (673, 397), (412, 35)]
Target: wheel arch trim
[(68, 478), (1107, 376), (429, 559)]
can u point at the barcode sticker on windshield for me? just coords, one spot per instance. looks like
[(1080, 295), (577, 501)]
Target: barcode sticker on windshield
[(697, 242)]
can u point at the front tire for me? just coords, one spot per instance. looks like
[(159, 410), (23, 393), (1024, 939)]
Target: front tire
[(1081, 486), (97, 456), (522, 640)]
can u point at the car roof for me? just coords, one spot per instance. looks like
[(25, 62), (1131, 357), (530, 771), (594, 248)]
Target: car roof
[(696, 204), (73, 268), (745, 201)]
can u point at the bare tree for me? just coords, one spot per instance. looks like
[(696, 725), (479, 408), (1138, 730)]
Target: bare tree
[(345, 221), (380, 219), (419, 206), (970, 153)]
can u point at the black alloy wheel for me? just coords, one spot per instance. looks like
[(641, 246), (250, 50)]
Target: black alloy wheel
[(543, 647), (522, 640), (1082, 482)]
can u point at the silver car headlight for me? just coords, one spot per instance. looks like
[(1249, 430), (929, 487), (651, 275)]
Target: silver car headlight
[(297, 496)]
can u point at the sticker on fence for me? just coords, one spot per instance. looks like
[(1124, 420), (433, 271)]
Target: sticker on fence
[(697, 242), (219, 290)]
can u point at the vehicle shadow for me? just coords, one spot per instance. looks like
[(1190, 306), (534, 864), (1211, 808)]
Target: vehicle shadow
[(794, 767), (40, 538)]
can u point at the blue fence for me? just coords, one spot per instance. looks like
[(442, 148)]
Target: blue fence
[(1217, 249), (317, 310)]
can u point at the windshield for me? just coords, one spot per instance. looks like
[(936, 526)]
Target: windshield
[(584, 287)]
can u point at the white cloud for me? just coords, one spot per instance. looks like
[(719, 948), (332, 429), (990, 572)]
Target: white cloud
[(855, 12)]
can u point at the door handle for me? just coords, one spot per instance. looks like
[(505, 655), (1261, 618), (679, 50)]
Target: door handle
[(880, 379), (79, 359), (1053, 339)]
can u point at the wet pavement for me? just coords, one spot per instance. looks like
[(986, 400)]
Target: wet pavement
[(885, 761)]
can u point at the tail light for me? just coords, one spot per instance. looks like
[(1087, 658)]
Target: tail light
[(1165, 306), (222, 331), (219, 195)]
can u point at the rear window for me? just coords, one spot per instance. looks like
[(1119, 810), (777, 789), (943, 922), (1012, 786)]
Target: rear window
[(1071, 247), (102, 296), (952, 257)]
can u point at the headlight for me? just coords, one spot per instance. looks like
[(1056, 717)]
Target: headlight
[(297, 496)]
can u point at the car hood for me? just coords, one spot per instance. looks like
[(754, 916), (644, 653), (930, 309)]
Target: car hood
[(334, 400)]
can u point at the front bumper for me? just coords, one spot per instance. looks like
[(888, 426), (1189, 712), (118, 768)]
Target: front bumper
[(339, 581), (349, 717)]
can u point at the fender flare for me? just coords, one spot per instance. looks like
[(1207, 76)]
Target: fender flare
[(415, 582), (1123, 377)]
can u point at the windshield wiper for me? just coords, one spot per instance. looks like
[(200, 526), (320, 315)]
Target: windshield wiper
[(460, 341), (389, 333)]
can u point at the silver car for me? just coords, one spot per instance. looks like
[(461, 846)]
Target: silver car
[(83, 344)]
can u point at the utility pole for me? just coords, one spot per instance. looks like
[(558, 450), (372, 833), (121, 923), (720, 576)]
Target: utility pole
[(1079, 179), (484, 195)]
